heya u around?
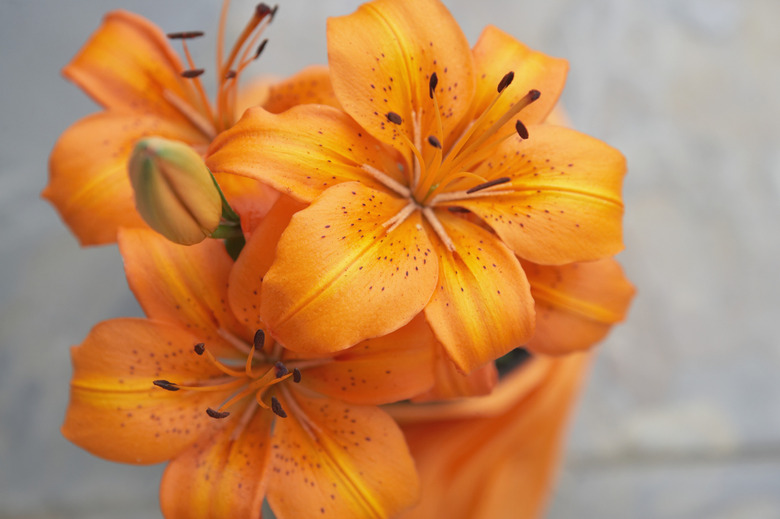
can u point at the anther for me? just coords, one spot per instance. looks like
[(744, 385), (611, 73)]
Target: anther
[(534, 94), (522, 131), (489, 183), (281, 369), (433, 141), (277, 408), (432, 84), (263, 9), (230, 74), (217, 414), (200, 348), (457, 209), (192, 73), (296, 375), (260, 48), (168, 386), (187, 35), (273, 11), (394, 118), (259, 339), (506, 81)]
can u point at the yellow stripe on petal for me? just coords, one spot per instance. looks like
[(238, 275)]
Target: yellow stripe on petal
[(482, 307), (340, 277)]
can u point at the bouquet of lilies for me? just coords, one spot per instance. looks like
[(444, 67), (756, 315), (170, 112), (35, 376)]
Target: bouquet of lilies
[(370, 288)]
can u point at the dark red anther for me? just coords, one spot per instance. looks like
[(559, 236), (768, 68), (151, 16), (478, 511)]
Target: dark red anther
[(433, 141), (489, 183), (230, 74), (259, 339), (168, 386), (281, 369), (217, 414), (506, 81), (457, 209), (534, 94), (260, 48), (522, 131), (277, 408), (187, 35), (432, 84), (262, 10), (273, 12), (296, 375), (192, 73), (394, 118), (200, 348)]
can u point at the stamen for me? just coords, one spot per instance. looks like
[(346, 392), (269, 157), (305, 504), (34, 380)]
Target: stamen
[(277, 408), (387, 181), (281, 369), (231, 74), (192, 73), (200, 122), (168, 386), (438, 228), (187, 35), (217, 414), (296, 375), (394, 118), (273, 12), (433, 141), (260, 48), (457, 209), (263, 9), (489, 183), (432, 84), (522, 131), (400, 217), (506, 81), (259, 340)]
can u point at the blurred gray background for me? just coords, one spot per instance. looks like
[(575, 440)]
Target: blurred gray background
[(681, 416)]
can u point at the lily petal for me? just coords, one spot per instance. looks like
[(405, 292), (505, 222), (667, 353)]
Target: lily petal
[(250, 268), (576, 304), (336, 460), (565, 203), (113, 370), (89, 184), (378, 371), (450, 382), (183, 285), (500, 466), (340, 278), (497, 53), (309, 86), (128, 65), (300, 152), (382, 57), (482, 307), (222, 476)]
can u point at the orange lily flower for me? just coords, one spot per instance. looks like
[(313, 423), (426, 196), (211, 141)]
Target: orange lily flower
[(425, 188), (130, 69), (302, 432), (494, 456)]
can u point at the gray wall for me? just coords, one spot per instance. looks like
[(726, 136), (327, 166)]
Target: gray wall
[(681, 417)]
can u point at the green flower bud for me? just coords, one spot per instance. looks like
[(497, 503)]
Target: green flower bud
[(174, 190)]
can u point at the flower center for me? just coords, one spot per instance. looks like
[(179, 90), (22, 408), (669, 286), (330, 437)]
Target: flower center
[(259, 374), (443, 176), (212, 120)]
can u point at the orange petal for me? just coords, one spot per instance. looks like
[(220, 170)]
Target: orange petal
[(89, 184), (482, 307), (387, 369), (300, 152), (256, 257), (128, 65), (249, 198), (497, 53), (309, 86), (336, 460), (450, 382), (565, 203), (499, 466), (576, 304), (222, 476), (340, 278), (184, 285), (115, 411), (382, 57)]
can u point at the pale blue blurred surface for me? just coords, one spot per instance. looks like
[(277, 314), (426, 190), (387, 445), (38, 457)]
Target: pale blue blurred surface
[(681, 417)]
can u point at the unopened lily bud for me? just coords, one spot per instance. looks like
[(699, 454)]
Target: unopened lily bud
[(174, 190)]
